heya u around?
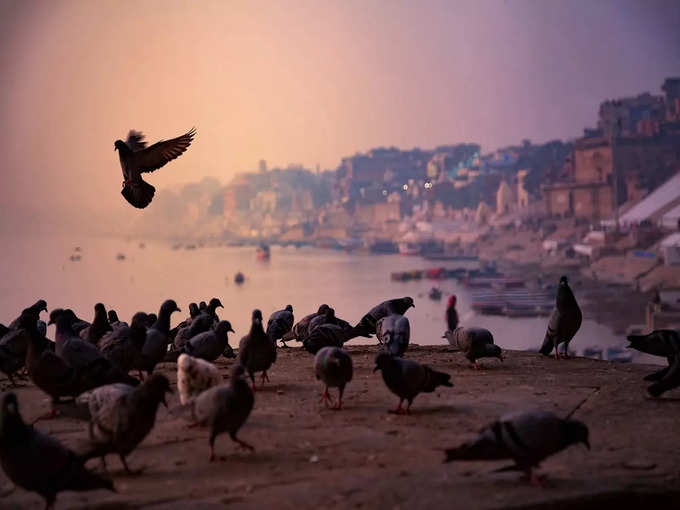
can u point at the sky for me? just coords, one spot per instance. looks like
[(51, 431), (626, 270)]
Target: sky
[(297, 82)]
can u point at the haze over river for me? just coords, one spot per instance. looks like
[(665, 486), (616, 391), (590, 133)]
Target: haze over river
[(304, 277)]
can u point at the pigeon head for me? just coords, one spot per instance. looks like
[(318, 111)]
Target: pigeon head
[(322, 309), (382, 360), (408, 302), (564, 280), (215, 303), (151, 319), (184, 362), (289, 308), (202, 306), (113, 316), (156, 387), (39, 306), (99, 309), (193, 310), (257, 316), (577, 432), (65, 320), (139, 320), (54, 315), (223, 328), (169, 306), (494, 351), (120, 145)]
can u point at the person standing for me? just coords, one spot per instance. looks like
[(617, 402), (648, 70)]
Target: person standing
[(451, 313)]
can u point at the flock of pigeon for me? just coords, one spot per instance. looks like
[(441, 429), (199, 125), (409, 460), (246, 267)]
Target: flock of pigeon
[(90, 364)]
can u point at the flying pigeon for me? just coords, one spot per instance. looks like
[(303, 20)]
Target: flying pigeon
[(525, 437), (136, 158), (194, 376), (399, 306), (333, 366), (120, 418), (280, 323), (666, 343), (395, 332), (38, 462), (406, 378), (256, 350), (565, 320), (475, 343)]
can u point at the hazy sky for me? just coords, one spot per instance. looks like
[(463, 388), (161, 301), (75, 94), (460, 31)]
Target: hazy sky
[(303, 82)]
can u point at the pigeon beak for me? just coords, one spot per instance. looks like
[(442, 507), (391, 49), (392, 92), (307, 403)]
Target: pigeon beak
[(221, 305), (178, 309), (232, 330)]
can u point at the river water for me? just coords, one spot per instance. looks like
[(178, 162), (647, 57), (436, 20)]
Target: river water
[(34, 268)]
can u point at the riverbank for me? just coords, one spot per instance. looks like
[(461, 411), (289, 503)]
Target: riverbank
[(363, 457)]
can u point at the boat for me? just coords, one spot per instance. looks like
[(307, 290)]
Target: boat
[(262, 252), (436, 273), (350, 243), (406, 248), (239, 278), (120, 256), (435, 294), (383, 246)]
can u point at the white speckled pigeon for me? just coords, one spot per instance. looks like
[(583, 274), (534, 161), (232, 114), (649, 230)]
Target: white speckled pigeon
[(395, 332)]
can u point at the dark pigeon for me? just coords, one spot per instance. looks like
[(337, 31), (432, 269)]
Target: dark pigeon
[(38, 462), (393, 306), (99, 327), (394, 331), (199, 325), (333, 366), (280, 323), (224, 408), (406, 378), (475, 343), (193, 310), (123, 346), (257, 352), (122, 417), (210, 344), (35, 309), (299, 330), (212, 307), (666, 343), (151, 319), (525, 437), (78, 324), (157, 338), (136, 158), (328, 335), (14, 343), (565, 320), (114, 321)]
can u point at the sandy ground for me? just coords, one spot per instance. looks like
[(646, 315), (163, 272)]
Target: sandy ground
[(363, 457)]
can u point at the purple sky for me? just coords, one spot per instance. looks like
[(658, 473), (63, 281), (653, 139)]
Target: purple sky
[(299, 82)]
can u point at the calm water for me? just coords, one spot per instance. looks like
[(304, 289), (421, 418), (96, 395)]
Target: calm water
[(305, 278)]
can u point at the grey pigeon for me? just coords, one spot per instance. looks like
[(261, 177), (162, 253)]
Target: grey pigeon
[(395, 332), (327, 317), (333, 366), (123, 346), (35, 309), (199, 325), (77, 325), (299, 330), (122, 417), (209, 344), (328, 335), (666, 343), (525, 437), (399, 306), (406, 378), (565, 320), (157, 338), (136, 158), (224, 408), (280, 323), (475, 343), (38, 462), (257, 352), (114, 321)]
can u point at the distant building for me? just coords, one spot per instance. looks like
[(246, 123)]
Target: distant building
[(522, 193), (632, 115), (505, 198)]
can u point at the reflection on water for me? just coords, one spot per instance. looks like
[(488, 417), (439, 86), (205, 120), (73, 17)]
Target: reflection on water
[(304, 277)]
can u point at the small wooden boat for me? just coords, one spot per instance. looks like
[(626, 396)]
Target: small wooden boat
[(262, 252)]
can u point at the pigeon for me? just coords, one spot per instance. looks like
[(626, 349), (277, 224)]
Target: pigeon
[(565, 320), (210, 344), (100, 325), (399, 306), (224, 408), (199, 325), (78, 324), (136, 158), (280, 323), (120, 418), (157, 338), (151, 319), (394, 331), (406, 378), (194, 376), (114, 321), (193, 310), (327, 317), (212, 307), (193, 313), (328, 335), (35, 309), (123, 346), (256, 350), (202, 307), (475, 343), (299, 330), (333, 366), (14, 343), (38, 462), (3, 330), (666, 343), (525, 437)]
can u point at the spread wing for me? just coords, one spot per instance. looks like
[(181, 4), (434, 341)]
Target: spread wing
[(135, 140), (160, 153)]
